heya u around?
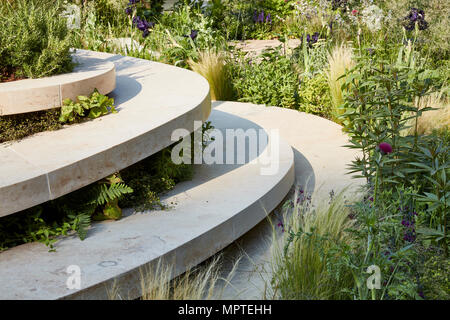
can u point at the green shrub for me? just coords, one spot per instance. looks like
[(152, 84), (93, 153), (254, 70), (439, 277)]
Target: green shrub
[(34, 39), (314, 96), (328, 246), (272, 81)]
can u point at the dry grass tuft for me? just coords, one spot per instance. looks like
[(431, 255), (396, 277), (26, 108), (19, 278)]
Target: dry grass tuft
[(200, 283), (339, 62), (213, 67), (301, 271)]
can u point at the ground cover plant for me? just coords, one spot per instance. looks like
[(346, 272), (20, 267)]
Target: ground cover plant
[(18, 126), (34, 40)]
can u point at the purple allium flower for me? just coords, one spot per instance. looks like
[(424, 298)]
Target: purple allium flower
[(385, 148)]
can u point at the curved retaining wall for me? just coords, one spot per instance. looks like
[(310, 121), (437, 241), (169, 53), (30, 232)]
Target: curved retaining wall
[(208, 213), (152, 99), (31, 95)]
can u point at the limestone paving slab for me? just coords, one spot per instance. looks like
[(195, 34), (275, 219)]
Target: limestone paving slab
[(152, 99), (220, 204), (31, 95)]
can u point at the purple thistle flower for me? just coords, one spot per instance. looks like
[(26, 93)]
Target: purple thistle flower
[(385, 148)]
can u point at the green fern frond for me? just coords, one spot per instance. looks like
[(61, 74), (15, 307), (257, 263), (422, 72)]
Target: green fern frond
[(114, 191), (80, 224)]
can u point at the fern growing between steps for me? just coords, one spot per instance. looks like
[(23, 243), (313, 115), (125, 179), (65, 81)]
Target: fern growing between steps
[(81, 224), (73, 212), (138, 186)]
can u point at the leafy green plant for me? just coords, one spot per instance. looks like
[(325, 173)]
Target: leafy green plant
[(34, 39), (272, 81), (379, 96), (15, 127), (92, 107), (433, 163), (314, 96)]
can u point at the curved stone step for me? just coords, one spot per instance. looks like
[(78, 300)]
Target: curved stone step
[(31, 95), (152, 99), (219, 205), (320, 156)]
